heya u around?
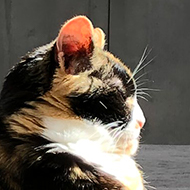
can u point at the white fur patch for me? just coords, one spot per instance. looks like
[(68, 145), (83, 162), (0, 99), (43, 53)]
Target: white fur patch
[(71, 133)]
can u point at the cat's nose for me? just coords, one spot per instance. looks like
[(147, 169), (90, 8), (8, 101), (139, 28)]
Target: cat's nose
[(140, 123)]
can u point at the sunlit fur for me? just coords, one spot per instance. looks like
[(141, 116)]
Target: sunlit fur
[(110, 143)]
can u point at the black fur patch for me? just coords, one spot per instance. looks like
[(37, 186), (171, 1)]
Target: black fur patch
[(28, 80), (108, 107), (76, 64)]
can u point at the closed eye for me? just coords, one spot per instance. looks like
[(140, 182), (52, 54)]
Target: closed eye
[(107, 107)]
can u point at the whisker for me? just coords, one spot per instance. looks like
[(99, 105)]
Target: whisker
[(148, 89), (141, 84), (107, 126), (103, 105), (145, 65), (141, 76), (112, 124), (138, 91), (143, 80), (149, 186), (113, 146), (118, 128), (146, 55), (113, 131), (119, 136), (142, 97), (140, 68), (139, 64), (131, 86), (144, 93)]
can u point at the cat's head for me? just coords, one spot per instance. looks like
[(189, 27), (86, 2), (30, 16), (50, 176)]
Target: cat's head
[(74, 79)]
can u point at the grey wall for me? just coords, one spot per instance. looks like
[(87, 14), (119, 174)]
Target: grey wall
[(131, 25), (164, 25)]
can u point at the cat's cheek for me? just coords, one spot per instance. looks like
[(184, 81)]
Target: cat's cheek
[(133, 144)]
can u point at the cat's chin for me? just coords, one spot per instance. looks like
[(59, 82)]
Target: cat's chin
[(128, 143), (128, 147)]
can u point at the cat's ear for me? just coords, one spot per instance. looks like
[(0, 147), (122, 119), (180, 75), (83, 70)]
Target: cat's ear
[(75, 36), (99, 37), (75, 43)]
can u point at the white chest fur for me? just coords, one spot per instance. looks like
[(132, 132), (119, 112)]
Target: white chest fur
[(92, 142)]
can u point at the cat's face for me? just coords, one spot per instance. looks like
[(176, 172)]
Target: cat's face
[(89, 96), (97, 87)]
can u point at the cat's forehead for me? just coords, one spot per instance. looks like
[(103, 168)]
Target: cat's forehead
[(110, 69), (104, 59)]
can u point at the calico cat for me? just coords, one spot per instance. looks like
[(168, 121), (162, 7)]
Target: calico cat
[(69, 117)]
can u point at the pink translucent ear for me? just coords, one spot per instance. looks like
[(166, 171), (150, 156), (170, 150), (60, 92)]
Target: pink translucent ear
[(75, 35)]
